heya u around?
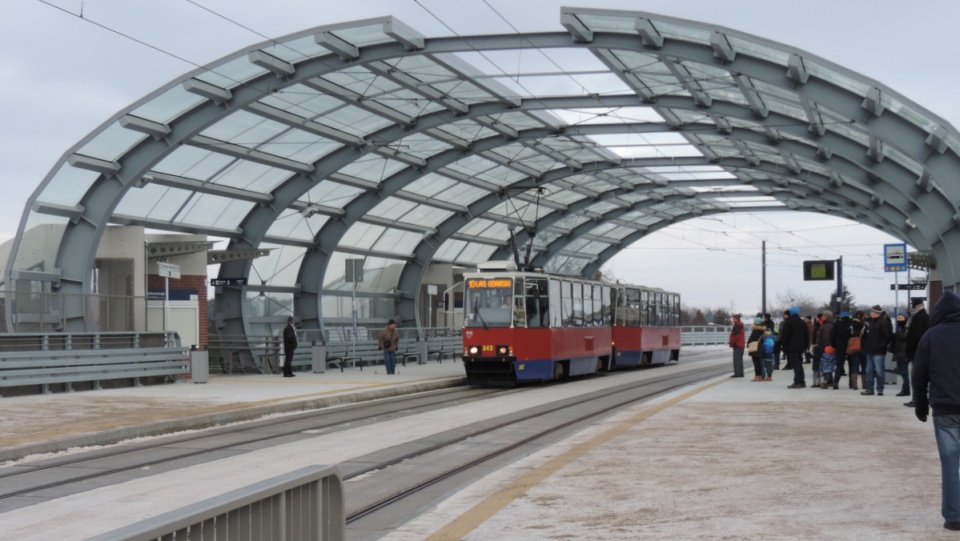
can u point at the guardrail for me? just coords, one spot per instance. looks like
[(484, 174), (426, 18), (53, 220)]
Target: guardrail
[(304, 504), (67, 358), (705, 335)]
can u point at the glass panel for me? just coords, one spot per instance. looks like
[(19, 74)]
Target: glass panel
[(252, 176), (243, 128), (398, 242), (361, 236), (40, 242), (280, 267), (373, 168), (362, 36), (169, 105), (111, 143), (232, 73), (833, 76), (213, 211), (68, 186), (292, 225), (758, 50), (180, 161), (153, 201), (297, 49)]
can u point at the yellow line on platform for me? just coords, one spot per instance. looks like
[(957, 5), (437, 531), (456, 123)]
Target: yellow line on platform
[(460, 527)]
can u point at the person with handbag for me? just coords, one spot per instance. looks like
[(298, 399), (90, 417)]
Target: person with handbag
[(755, 349), (388, 340), (736, 342)]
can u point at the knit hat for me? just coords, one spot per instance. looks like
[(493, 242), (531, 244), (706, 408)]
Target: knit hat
[(876, 308), (829, 349), (391, 322), (794, 310), (917, 301), (290, 319)]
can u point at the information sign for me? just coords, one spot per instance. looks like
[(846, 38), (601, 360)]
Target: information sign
[(168, 270), (895, 257), (228, 281)]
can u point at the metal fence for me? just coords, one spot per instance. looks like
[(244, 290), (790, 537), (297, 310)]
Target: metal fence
[(705, 335), (305, 504), (49, 312)]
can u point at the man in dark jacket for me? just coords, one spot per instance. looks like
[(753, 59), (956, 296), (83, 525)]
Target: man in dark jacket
[(937, 363), (917, 324), (289, 346), (842, 331), (794, 339), (875, 341)]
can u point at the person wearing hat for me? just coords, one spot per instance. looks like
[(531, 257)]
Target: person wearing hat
[(388, 340), (289, 346), (917, 324), (936, 370), (898, 346), (736, 342), (842, 331), (793, 340), (874, 344), (762, 364)]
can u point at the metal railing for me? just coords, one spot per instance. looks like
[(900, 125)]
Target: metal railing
[(68, 358), (306, 504), (705, 335)]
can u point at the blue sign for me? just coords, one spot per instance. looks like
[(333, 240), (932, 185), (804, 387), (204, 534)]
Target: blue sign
[(895, 257)]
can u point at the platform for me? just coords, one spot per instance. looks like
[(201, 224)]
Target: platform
[(727, 459)]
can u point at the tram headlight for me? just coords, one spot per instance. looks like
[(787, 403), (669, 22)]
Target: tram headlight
[(474, 350), (503, 351)]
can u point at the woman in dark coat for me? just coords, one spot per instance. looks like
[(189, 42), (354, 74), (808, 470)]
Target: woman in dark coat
[(756, 334)]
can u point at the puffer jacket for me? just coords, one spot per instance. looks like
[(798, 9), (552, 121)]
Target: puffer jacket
[(937, 362), (876, 337)]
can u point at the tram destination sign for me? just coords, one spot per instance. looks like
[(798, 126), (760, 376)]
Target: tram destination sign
[(483, 283), (228, 281)]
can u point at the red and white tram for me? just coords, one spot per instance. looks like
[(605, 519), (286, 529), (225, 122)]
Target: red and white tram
[(531, 326)]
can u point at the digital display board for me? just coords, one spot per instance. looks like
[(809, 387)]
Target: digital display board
[(493, 283), (818, 270)]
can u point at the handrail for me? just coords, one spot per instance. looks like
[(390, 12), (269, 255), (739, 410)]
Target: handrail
[(303, 504)]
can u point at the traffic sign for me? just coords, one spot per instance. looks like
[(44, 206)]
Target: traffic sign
[(168, 270), (901, 287), (228, 281), (894, 257)]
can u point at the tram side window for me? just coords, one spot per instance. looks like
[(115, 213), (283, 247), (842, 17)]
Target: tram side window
[(566, 293), (606, 306), (634, 308), (619, 307), (646, 309), (537, 303), (556, 301), (676, 310)]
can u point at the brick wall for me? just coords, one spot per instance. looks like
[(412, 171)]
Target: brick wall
[(936, 291), (188, 281)]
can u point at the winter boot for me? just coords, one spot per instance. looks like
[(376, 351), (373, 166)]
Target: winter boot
[(853, 380), (904, 390), (863, 381)]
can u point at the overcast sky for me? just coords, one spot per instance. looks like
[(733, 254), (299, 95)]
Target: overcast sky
[(61, 76)]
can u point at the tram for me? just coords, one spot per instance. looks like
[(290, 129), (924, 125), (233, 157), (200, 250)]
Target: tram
[(532, 326)]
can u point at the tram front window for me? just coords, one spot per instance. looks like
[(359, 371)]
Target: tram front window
[(488, 306)]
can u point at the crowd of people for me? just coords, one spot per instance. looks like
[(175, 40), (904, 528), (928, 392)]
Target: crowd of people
[(846, 345)]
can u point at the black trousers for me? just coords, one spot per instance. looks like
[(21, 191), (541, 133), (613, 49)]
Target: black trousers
[(288, 361)]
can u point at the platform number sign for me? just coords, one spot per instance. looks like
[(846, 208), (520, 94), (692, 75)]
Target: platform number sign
[(894, 257)]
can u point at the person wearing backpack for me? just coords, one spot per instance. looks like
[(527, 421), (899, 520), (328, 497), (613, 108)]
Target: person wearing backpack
[(754, 343), (768, 346)]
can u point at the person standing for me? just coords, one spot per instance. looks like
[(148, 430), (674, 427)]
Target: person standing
[(812, 333), (289, 346), (763, 372), (737, 342), (937, 365), (388, 340), (876, 339), (898, 346), (917, 324), (793, 340)]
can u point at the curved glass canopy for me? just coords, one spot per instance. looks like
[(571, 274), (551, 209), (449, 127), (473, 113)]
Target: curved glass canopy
[(370, 141)]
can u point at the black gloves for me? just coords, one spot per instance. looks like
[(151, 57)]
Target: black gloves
[(920, 409)]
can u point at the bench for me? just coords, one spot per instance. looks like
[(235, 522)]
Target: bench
[(444, 345), (22, 368), (362, 352)]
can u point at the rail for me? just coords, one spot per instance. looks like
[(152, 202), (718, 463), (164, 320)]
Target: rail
[(304, 504), (705, 335)]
